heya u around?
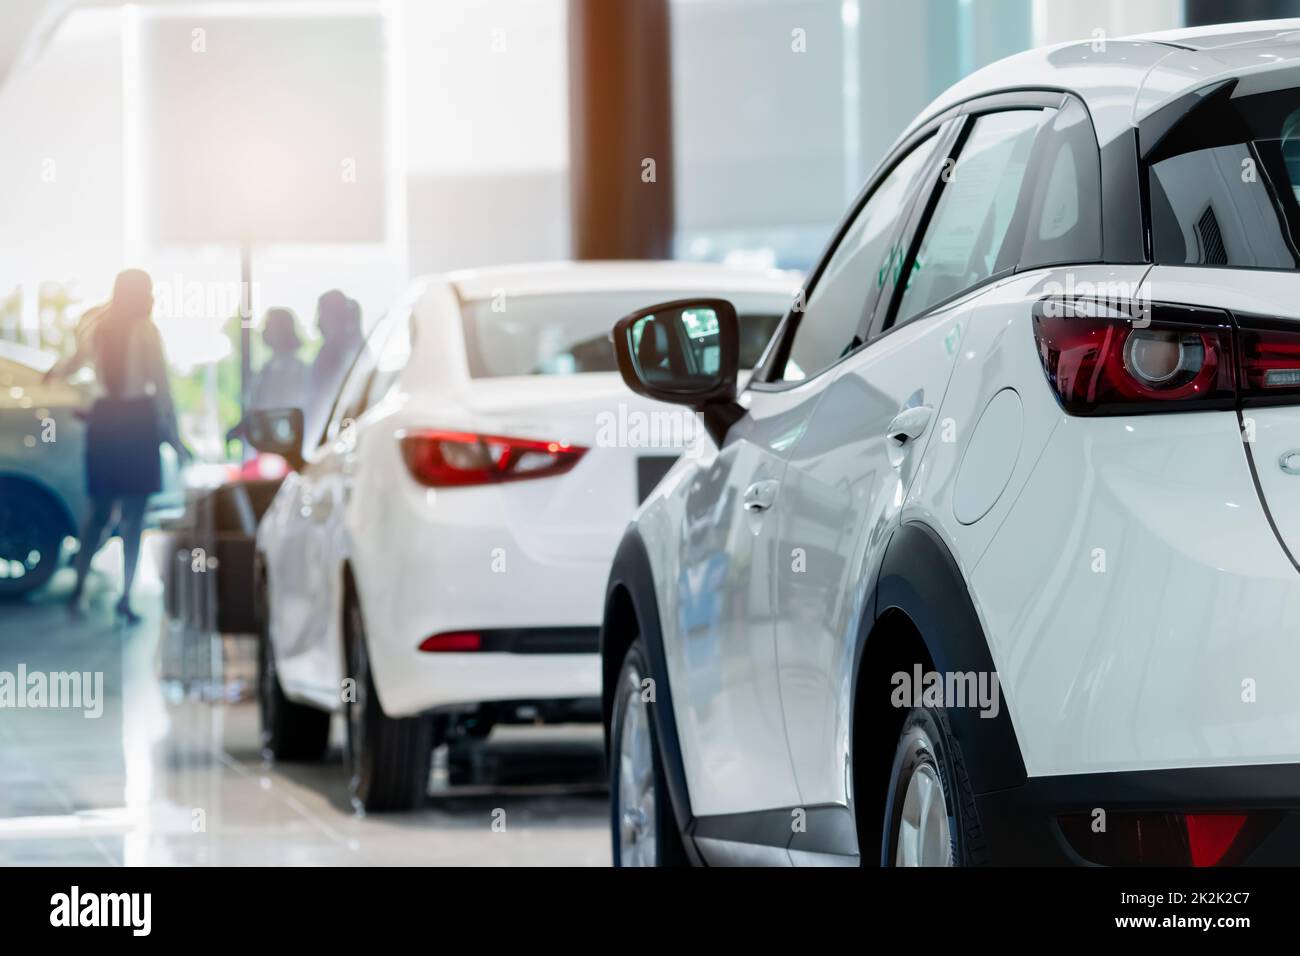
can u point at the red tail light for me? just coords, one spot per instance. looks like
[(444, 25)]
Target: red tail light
[(1270, 359), (1125, 359), (446, 459), (1104, 361)]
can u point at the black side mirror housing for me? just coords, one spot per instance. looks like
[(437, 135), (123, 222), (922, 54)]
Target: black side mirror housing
[(277, 431), (686, 352)]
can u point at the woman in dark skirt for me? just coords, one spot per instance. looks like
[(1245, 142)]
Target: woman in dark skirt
[(133, 416)]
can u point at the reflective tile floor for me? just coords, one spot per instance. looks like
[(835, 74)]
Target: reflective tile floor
[(164, 776)]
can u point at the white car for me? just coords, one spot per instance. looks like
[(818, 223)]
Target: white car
[(994, 558), (436, 561)]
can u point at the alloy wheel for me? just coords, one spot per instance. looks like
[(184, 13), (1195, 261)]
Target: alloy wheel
[(924, 837), (636, 781)]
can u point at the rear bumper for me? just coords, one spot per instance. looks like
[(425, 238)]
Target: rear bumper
[(504, 561), (424, 681), (1021, 825)]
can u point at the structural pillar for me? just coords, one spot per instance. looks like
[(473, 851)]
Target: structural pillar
[(620, 129)]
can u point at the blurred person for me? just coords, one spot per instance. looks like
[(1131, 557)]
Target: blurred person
[(339, 320), (284, 379), (124, 427)]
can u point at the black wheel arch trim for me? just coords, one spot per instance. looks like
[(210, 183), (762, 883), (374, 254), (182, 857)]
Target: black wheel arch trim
[(920, 578), (631, 573)]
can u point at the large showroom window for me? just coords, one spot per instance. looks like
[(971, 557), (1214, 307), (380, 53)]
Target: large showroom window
[(781, 108)]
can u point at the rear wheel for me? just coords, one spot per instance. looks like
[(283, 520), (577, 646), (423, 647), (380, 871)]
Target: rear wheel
[(290, 731), (930, 815), (32, 528), (388, 758), (644, 829)]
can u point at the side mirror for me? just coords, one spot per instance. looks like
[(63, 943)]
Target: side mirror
[(277, 431), (686, 352)]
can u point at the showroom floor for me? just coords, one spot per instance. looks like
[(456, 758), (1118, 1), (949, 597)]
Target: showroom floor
[(165, 776)]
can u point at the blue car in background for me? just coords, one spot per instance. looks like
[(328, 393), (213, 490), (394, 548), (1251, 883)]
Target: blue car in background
[(42, 473)]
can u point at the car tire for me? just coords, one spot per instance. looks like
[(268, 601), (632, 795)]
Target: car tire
[(290, 731), (930, 813), (388, 759), (31, 522), (643, 825)]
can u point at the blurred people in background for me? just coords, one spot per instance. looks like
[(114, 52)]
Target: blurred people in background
[(284, 380), (339, 321), (125, 426)]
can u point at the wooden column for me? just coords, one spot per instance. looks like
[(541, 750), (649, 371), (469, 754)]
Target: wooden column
[(620, 129)]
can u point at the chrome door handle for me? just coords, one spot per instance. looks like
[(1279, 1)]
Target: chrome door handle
[(761, 495), (909, 425)]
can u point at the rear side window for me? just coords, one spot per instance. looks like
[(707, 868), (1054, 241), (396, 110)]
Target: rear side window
[(1063, 218), (1223, 185)]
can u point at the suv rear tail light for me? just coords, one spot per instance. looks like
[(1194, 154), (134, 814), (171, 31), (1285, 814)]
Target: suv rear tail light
[(1102, 361), (446, 459), (1270, 359), (1124, 359)]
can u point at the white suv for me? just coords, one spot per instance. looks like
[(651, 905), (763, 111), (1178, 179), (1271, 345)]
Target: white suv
[(994, 559)]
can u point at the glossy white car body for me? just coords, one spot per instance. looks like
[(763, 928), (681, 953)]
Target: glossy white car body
[(1132, 575), (514, 555)]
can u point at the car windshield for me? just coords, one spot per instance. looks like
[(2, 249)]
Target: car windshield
[(568, 333), (1225, 184)]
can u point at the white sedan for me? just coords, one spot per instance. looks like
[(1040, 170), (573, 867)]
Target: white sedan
[(437, 560)]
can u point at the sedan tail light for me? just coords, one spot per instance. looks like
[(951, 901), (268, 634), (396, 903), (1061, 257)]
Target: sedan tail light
[(452, 642), (446, 459), (1103, 359)]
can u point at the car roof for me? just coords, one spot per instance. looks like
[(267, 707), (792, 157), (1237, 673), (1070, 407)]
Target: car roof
[(1123, 80), (620, 276), (37, 360)]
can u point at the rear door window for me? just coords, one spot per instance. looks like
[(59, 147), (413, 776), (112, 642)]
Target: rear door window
[(849, 285), (965, 234)]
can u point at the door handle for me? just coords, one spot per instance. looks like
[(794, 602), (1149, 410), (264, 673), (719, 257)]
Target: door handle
[(909, 425), (761, 495)]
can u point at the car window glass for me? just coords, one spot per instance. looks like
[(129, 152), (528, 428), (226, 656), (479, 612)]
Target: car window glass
[(964, 236), (1232, 203), (856, 271), (1064, 213), (567, 333), (391, 360), (1060, 213), (351, 403)]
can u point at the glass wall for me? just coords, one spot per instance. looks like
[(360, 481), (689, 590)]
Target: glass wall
[(783, 107)]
